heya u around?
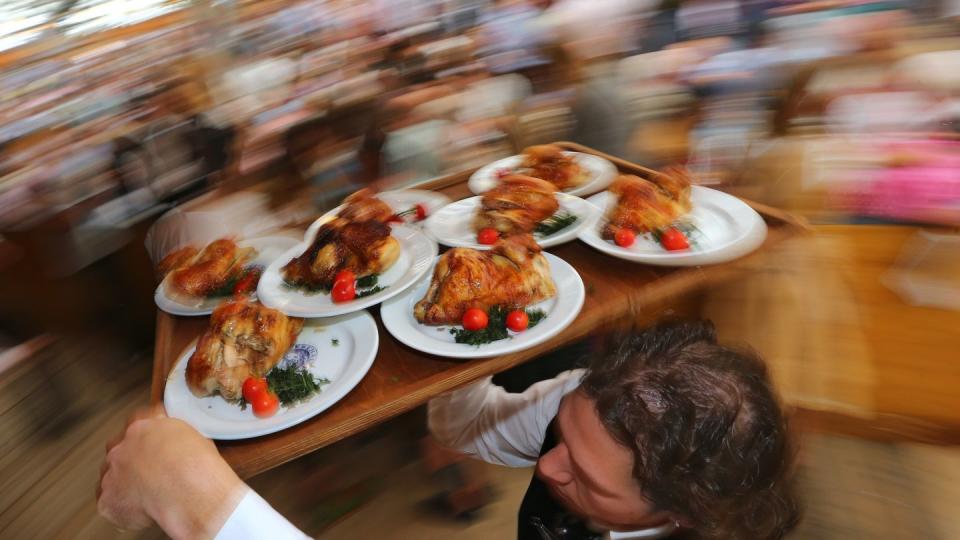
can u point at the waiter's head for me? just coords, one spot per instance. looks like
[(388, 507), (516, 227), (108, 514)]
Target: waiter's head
[(671, 426)]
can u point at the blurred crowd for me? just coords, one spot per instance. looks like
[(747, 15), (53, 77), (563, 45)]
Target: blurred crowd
[(840, 109)]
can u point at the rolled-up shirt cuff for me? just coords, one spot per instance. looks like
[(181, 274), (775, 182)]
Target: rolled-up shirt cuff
[(255, 519)]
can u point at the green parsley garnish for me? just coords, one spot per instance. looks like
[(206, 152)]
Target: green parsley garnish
[(306, 287), (555, 223), (367, 281), (335, 342), (227, 288), (366, 286), (368, 292), (535, 316), (293, 385), (496, 327)]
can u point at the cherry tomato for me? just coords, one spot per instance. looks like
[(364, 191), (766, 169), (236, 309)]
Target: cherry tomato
[(252, 387), (265, 404), (475, 319), (421, 212), (517, 320), (488, 236), (673, 239), (344, 276), (624, 237), (344, 291), (394, 219), (248, 283)]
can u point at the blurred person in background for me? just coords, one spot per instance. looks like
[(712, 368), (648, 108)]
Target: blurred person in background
[(668, 433), (393, 15), (595, 29), (334, 155), (509, 38)]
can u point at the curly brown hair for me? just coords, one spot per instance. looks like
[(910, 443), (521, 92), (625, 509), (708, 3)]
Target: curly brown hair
[(709, 438)]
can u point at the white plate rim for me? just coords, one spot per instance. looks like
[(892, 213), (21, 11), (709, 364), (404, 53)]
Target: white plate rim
[(410, 239), (482, 179), (393, 313), (586, 211), (368, 337), (753, 236), (173, 307)]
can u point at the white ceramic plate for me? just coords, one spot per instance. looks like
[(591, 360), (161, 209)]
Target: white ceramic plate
[(727, 229), (397, 315), (399, 200), (417, 252), (452, 225), (343, 364), (601, 172), (268, 248)]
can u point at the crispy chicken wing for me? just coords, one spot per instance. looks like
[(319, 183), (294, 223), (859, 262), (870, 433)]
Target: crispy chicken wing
[(643, 206), (516, 205), (245, 339), (514, 274), (549, 163), (209, 270), (358, 239)]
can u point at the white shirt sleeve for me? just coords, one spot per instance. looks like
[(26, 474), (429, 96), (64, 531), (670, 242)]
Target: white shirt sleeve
[(486, 422), (255, 519)]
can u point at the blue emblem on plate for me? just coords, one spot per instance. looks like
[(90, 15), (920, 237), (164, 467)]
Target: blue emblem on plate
[(299, 356)]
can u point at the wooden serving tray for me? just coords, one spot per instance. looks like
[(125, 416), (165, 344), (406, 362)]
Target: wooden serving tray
[(402, 378)]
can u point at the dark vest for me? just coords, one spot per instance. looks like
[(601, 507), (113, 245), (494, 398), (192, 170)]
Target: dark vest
[(542, 517)]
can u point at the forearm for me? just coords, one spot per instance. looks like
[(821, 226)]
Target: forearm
[(485, 421), (201, 505)]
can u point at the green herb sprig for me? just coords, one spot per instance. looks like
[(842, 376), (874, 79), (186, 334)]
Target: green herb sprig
[(366, 286), (226, 289), (555, 223), (293, 385), (368, 292), (306, 288), (496, 329), (367, 281)]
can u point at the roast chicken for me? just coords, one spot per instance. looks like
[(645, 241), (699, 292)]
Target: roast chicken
[(363, 205), (516, 205), (643, 206), (206, 271), (548, 162), (176, 259), (514, 274), (358, 239), (245, 339)]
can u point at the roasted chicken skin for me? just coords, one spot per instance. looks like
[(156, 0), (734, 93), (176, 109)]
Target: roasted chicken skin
[(363, 205), (358, 239), (245, 339), (208, 270), (548, 162), (514, 274), (516, 205), (363, 247), (643, 206), (176, 259)]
